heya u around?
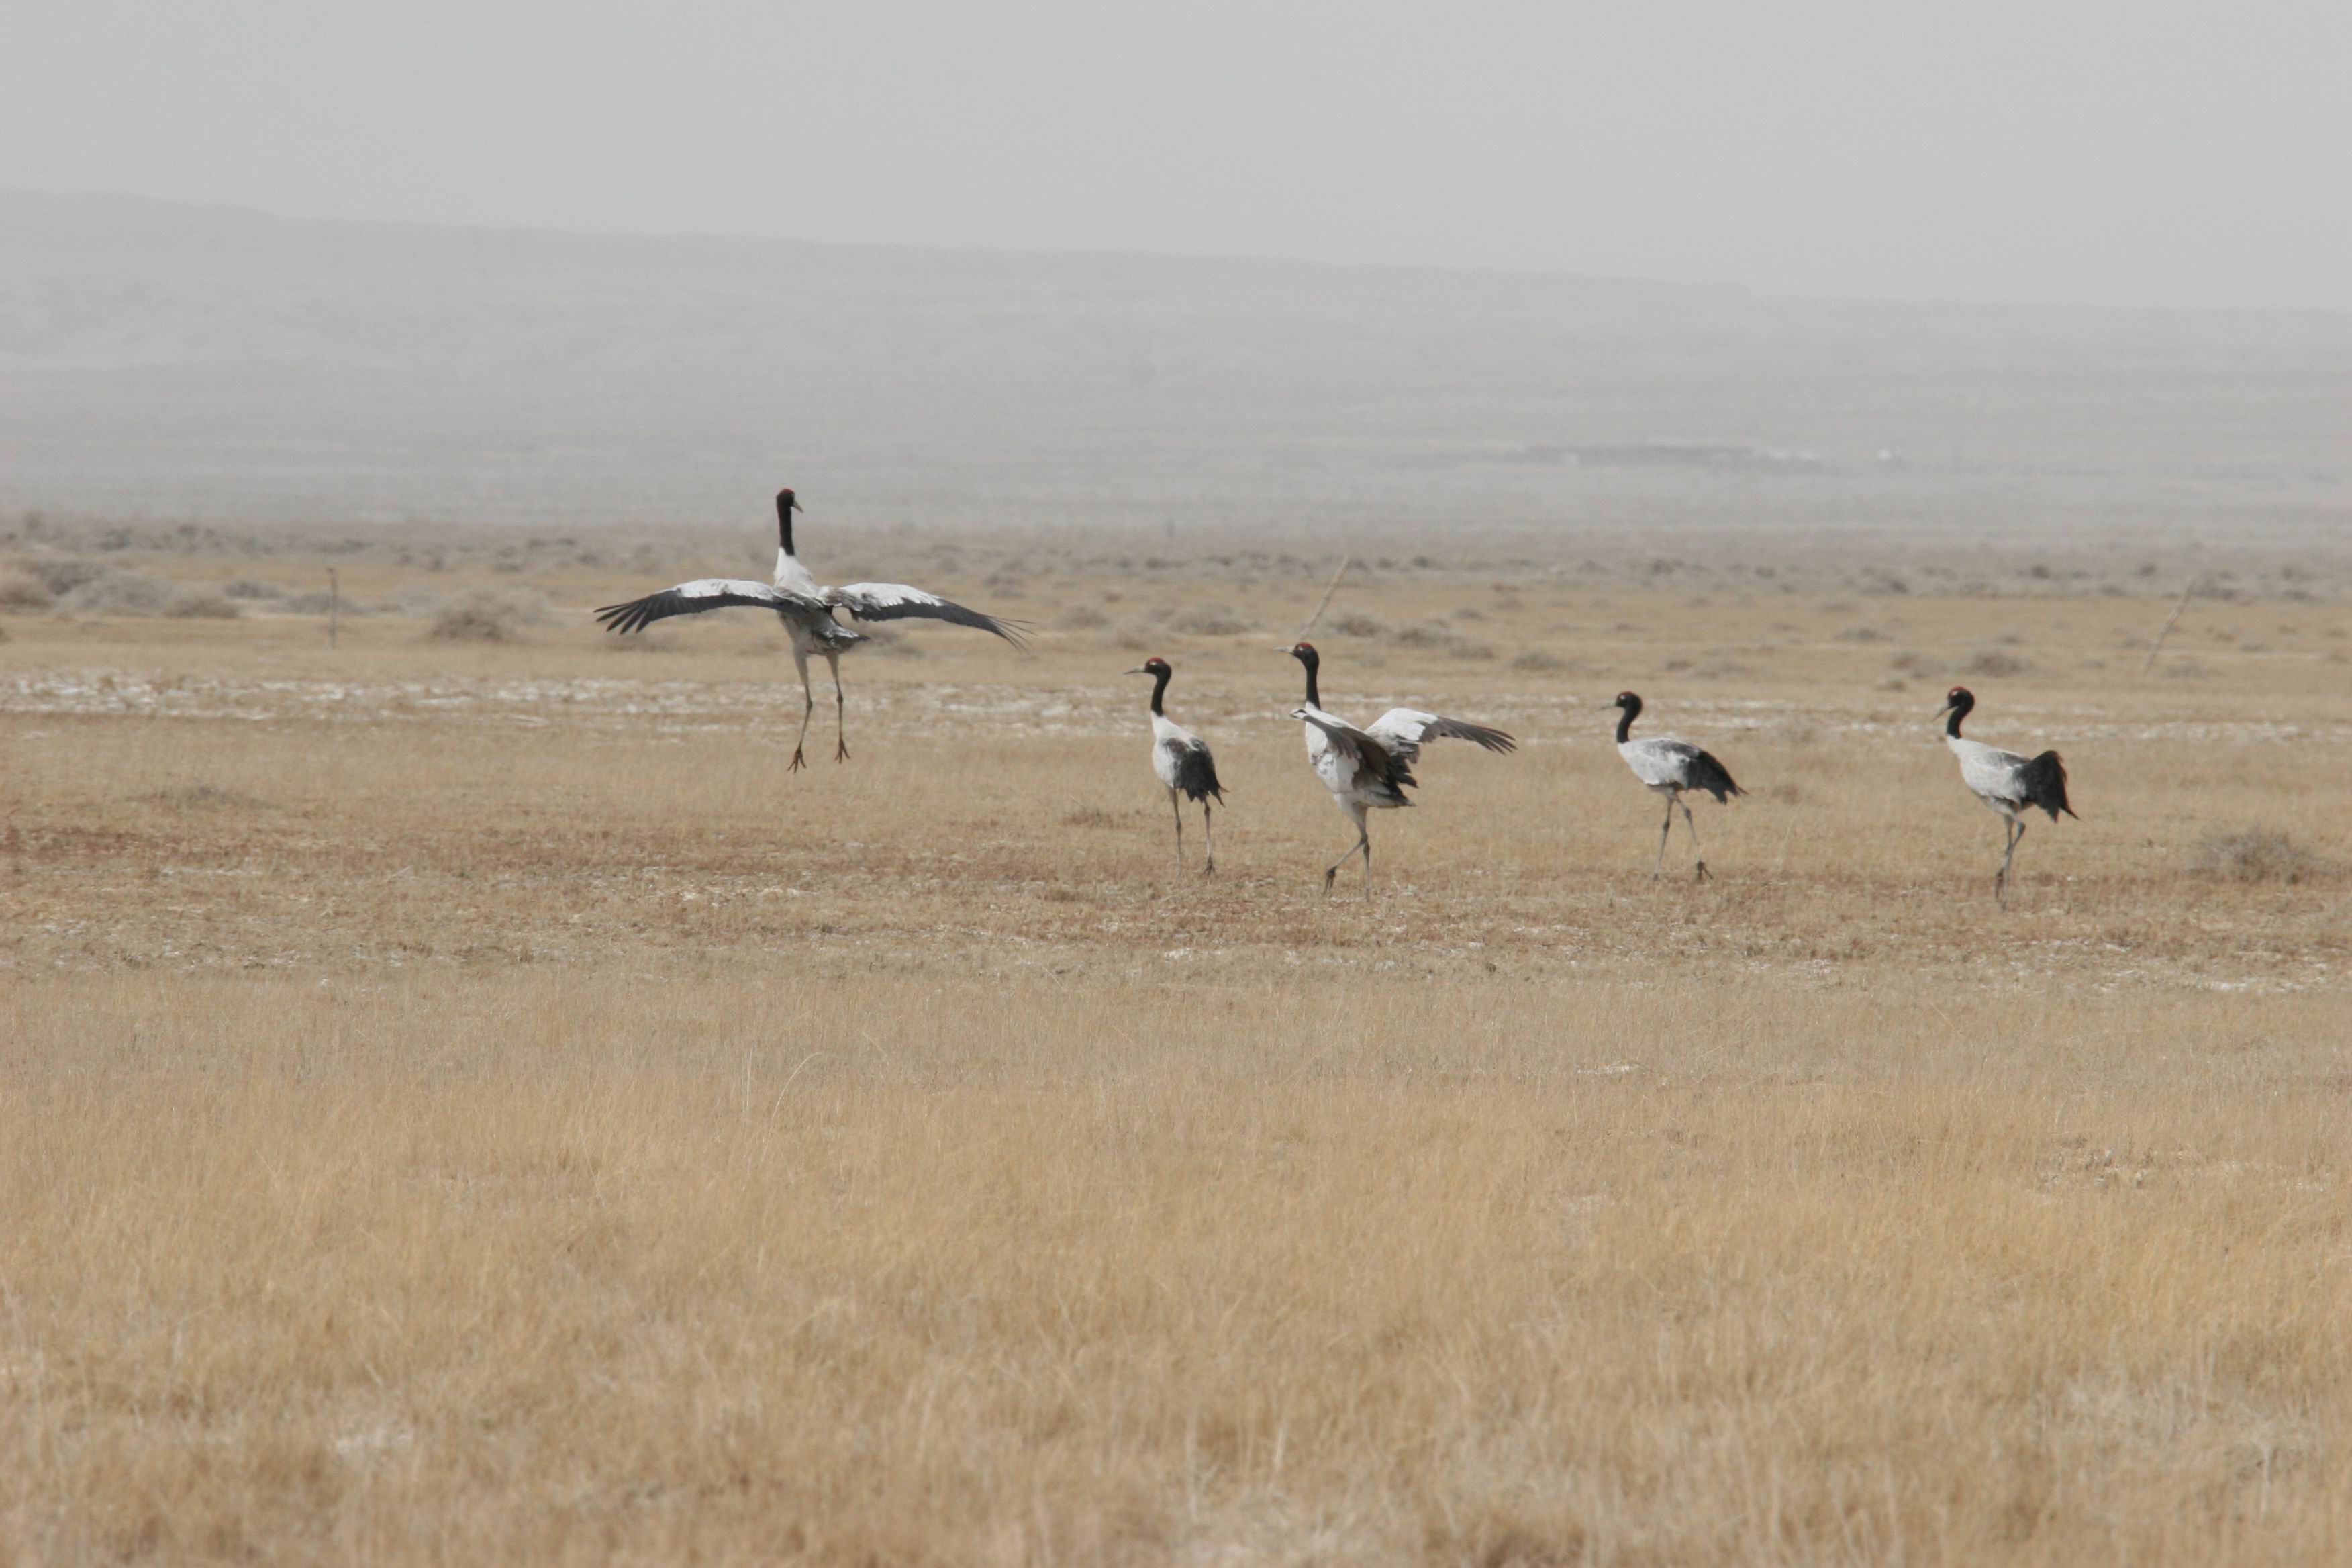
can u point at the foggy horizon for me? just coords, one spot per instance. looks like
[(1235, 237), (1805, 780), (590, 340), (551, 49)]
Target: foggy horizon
[(2101, 155)]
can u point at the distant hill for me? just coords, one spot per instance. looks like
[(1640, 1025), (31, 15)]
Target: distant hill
[(164, 360)]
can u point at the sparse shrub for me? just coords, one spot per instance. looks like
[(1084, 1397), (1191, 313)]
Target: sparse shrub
[(1356, 624), (2186, 670), (1539, 661), (318, 602), (2255, 854), (203, 605), (483, 616), (1431, 634), (22, 591), (252, 588), (1993, 662), (1911, 661), (123, 594), (1861, 633), (202, 797), (1081, 618), (1208, 621), (62, 577)]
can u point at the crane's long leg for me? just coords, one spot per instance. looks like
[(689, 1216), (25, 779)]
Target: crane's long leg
[(1209, 832), (1176, 808), (1696, 857), (2000, 879), (840, 733), (1665, 833), (1364, 843), (808, 705)]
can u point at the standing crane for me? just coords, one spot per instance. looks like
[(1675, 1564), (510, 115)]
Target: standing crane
[(807, 609), (1181, 761), (1670, 766), (1370, 768), (2010, 784)]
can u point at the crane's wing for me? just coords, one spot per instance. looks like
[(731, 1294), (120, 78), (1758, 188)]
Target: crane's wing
[(693, 599), (896, 601), (1367, 753), (1409, 727)]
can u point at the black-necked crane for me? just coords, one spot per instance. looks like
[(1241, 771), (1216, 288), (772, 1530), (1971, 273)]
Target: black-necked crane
[(806, 608), (1181, 761), (2010, 784), (1670, 766), (1370, 768)]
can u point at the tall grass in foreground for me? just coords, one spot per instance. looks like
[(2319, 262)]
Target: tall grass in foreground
[(563, 1268)]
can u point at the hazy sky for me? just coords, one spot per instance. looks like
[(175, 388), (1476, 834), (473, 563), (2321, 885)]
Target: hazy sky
[(2137, 152)]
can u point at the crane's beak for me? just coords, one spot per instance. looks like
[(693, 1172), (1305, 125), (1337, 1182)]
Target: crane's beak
[(1939, 712), (1139, 669)]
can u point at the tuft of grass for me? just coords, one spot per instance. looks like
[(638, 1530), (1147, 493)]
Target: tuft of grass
[(201, 604), (1994, 662), (483, 615), (122, 594), (1209, 621), (2255, 854), (23, 591)]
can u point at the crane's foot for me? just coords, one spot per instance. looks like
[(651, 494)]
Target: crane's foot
[(1210, 869), (799, 761), (1329, 877), (841, 751), (1704, 874)]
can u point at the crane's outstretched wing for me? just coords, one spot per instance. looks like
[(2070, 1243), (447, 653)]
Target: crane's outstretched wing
[(896, 601), (693, 599), (1404, 729), (1369, 753)]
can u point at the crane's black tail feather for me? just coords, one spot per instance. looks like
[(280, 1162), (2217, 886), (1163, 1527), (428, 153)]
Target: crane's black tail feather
[(1196, 775), (2044, 780), (1711, 776)]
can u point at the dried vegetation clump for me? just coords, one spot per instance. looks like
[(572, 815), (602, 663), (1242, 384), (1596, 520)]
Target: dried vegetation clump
[(1993, 663), (124, 593), (23, 593), (485, 615), (1209, 621), (2255, 854)]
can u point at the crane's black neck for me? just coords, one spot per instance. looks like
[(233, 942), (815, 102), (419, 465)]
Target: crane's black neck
[(1625, 717), (784, 521), (1314, 697), (1952, 724), (1160, 687)]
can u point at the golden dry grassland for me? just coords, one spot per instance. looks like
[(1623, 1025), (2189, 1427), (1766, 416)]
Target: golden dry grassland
[(464, 1101)]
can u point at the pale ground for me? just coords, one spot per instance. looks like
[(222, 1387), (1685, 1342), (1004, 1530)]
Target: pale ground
[(470, 1103)]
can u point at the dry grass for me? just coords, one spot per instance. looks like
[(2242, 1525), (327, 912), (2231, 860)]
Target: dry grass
[(468, 1103), (2255, 854)]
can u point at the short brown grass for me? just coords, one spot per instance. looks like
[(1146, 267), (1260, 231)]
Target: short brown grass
[(467, 1103)]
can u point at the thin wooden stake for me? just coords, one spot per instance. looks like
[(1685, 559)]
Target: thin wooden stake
[(334, 605), (2166, 630), (1325, 604)]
